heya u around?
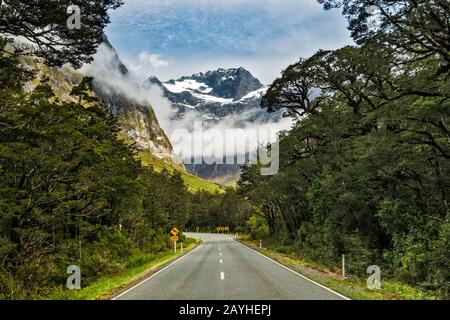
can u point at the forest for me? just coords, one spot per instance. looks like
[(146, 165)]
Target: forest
[(365, 172), (71, 192)]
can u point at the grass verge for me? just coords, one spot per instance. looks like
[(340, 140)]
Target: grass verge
[(105, 288), (352, 287)]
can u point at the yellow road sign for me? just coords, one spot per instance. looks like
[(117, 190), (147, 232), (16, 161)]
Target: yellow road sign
[(174, 238), (174, 231), (223, 228)]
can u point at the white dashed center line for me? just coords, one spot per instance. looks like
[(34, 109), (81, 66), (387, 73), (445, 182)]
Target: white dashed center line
[(222, 276)]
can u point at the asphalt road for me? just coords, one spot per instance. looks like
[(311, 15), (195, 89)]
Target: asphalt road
[(223, 269)]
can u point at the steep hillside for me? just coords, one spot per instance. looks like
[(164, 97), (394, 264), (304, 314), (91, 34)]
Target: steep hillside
[(138, 123)]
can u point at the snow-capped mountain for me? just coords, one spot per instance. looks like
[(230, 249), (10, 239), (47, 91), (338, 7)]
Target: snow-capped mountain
[(216, 95), (224, 95)]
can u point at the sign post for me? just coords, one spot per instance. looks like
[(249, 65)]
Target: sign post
[(174, 232), (223, 229)]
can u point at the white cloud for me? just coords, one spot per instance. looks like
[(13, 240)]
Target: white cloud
[(147, 64), (229, 137), (105, 70), (154, 60), (264, 36)]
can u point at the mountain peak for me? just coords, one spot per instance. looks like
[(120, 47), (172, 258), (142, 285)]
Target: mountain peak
[(115, 62), (233, 83), (153, 80)]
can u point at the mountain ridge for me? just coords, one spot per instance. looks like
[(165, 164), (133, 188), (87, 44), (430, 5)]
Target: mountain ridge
[(209, 93)]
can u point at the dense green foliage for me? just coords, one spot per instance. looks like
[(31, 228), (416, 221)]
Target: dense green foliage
[(43, 24), (365, 171), (71, 191)]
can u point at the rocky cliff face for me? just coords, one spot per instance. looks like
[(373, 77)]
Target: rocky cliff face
[(136, 118), (124, 98)]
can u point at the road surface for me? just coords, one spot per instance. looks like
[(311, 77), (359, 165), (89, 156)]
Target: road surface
[(223, 269)]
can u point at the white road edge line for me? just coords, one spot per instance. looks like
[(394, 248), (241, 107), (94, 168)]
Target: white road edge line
[(155, 274), (298, 274), (222, 276)]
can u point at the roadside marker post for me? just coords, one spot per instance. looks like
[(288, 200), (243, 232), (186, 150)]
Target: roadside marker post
[(343, 266), (260, 243)]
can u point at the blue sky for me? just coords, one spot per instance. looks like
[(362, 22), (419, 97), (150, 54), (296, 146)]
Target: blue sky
[(171, 38)]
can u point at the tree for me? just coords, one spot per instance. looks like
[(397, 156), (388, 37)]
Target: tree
[(44, 24), (420, 28), (365, 171), (62, 169)]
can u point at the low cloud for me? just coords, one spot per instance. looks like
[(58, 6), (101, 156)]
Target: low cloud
[(232, 136), (105, 69)]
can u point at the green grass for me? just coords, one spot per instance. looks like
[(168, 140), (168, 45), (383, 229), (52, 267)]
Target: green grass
[(147, 159), (353, 288), (195, 184), (106, 287)]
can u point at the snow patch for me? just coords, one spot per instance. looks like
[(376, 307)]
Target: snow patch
[(209, 98), (187, 85), (255, 94)]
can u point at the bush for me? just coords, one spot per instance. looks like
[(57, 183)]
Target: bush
[(258, 227), (107, 255)]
